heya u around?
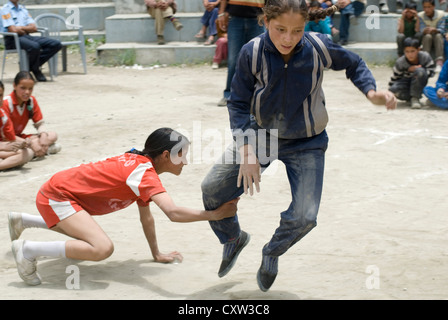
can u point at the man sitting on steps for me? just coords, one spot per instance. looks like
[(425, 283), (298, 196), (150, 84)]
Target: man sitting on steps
[(162, 10)]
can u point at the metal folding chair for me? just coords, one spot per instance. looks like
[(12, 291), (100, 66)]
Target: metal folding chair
[(53, 25)]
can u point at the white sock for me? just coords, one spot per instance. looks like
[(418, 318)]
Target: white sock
[(33, 221), (34, 249)]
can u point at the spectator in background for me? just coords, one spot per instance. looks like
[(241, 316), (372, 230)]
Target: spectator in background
[(348, 9), (411, 73), (432, 26), (208, 20), (240, 20), (16, 19), (408, 26), (439, 95), (221, 50), (13, 150), (319, 25), (162, 11)]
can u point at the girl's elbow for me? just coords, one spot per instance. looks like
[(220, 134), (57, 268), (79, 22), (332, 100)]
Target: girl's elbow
[(172, 215)]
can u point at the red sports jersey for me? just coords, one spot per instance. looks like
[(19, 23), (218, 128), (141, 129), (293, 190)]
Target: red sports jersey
[(106, 186), (19, 114), (6, 128)]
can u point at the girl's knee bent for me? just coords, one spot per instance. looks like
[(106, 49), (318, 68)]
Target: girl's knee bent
[(103, 251)]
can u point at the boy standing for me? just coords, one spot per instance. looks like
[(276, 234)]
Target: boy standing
[(411, 73)]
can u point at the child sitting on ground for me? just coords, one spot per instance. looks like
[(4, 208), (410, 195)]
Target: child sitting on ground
[(411, 73), (438, 95)]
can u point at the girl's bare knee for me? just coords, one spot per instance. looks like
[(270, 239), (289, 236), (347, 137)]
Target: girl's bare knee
[(103, 251)]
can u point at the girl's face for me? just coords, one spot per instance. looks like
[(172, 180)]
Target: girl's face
[(286, 31), (1, 95), (178, 161), (23, 90)]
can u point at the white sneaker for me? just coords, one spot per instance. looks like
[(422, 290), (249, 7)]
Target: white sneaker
[(215, 65), (222, 102), (415, 103), (54, 148), (15, 225), (27, 269)]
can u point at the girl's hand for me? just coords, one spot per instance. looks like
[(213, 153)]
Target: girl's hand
[(250, 172), (14, 146), (223, 21), (384, 97), (173, 257), (226, 210)]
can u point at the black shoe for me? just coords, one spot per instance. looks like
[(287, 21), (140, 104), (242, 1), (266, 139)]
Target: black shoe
[(39, 76), (267, 272), (230, 259)]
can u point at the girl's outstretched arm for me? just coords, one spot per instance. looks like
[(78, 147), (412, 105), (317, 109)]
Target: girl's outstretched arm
[(181, 214), (149, 229)]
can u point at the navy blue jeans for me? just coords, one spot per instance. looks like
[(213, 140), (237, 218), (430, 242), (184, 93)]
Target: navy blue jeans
[(304, 161), (39, 49), (239, 32), (356, 8)]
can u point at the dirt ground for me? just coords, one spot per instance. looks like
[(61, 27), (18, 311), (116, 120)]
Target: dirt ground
[(382, 228)]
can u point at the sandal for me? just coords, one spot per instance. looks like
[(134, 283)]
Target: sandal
[(209, 41), (200, 35)]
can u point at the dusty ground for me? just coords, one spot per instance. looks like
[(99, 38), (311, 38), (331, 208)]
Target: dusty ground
[(382, 228)]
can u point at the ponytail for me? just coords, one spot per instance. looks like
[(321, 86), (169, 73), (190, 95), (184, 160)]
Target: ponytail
[(274, 8), (163, 139), (323, 13)]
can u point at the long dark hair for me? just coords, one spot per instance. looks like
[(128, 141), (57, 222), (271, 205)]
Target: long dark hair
[(163, 139), (19, 77), (274, 8)]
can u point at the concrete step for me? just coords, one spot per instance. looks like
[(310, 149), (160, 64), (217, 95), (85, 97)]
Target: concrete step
[(91, 15), (173, 52), (138, 6), (140, 28), (371, 28), (178, 52), (375, 53)]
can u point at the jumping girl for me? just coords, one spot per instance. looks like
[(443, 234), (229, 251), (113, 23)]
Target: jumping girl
[(70, 198), (277, 92), (20, 106)]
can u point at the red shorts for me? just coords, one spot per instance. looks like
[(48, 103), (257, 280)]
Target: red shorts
[(53, 211)]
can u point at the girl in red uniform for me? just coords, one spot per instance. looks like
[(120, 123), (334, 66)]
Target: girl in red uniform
[(67, 201), (13, 151), (20, 106)]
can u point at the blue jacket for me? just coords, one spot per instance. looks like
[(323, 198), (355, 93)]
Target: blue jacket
[(442, 81), (288, 97)]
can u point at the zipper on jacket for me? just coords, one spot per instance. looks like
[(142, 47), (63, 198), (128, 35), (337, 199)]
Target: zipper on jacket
[(285, 67)]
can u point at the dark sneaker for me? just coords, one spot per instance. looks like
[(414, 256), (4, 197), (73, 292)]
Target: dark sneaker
[(267, 272), (231, 251)]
